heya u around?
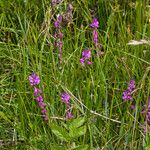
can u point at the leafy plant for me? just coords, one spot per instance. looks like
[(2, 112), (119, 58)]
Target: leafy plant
[(70, 132)]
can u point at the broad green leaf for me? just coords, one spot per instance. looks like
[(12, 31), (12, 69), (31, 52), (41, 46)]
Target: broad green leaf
[(60, 132), (57, 147), (77, 132), (77, 123), (82, 147)]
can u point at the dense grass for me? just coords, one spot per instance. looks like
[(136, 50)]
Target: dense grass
[(26, 46)]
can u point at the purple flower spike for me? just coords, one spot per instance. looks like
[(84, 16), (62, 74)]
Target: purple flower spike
[(86, 54), (95, 23), (127, 94), (39, 98), (95, 37), (131, 86), (37, 91), (69, 115), (34, 79), (40, 105), (44, 111), (65, 97), (57, 23)]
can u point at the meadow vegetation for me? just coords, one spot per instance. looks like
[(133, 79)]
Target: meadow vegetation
[(68, 85)]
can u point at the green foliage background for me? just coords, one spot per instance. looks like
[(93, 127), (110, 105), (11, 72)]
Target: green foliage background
[(26, 45)]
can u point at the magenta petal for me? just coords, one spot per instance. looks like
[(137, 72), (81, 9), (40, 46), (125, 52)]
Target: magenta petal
[(39, 98), (65, 97), (89, 62), (37, 91), (95, 23), (34, 79), (82, 61), (132, 107), (86, 54)]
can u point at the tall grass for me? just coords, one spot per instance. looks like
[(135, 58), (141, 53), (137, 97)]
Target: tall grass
[(27, 45)]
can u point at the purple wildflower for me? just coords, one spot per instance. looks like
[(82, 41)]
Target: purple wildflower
[(37, 91), (95, 37), (132, 107), (65, 97), (58, 37), (89, 62), (57, 22), (127, 94), (43, 111), (86, 54), (34, 79), (146, 112), (131, 86), (40, 103), (95, 23), (82, 61), (39, 98), (69, 115), (55, 34)]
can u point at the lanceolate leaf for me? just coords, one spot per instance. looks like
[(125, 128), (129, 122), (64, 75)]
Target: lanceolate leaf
[(60, 132), (74, 133), (77, 123), (56, 147)]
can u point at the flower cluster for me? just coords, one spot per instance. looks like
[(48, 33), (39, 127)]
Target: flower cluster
[(65, 97), (86, 55), (146, 112), (34, 81), (127, 94), (95, 25), (58, 36)]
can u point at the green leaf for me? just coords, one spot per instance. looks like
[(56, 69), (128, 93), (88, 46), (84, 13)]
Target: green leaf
[(82, 147), (57, 147), (77, 123), (77, 132), (60, 132)]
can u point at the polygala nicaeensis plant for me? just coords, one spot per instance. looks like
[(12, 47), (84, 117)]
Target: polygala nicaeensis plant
[(34, 81)]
